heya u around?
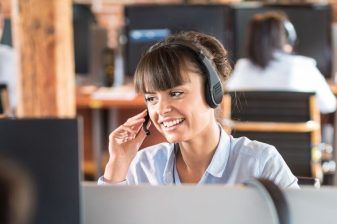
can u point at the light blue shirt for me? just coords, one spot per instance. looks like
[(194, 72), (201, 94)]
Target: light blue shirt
[(234, 161)]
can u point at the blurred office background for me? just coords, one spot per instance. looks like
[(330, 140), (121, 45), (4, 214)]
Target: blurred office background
[(110, 35)]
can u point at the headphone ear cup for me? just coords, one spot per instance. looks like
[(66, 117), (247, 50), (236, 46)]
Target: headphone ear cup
[(213, 94), (290, 32), (209, 97)]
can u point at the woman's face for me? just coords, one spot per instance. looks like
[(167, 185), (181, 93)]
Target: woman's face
[(180, 113)]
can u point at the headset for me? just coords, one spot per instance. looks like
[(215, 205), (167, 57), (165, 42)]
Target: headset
[(290, 32), (145, 123), (213, 88)]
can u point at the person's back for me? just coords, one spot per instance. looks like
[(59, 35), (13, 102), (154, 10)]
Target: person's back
[(270, 67), (8, 72)]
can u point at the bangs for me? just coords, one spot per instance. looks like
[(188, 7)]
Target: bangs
[(164, 68)]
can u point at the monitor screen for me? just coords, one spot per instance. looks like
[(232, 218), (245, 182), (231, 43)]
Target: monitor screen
[(147, 24), (48, 149), (311, 21), (83, 19), (6, 38)]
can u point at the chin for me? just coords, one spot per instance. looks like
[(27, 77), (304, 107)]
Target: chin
[(174, 138)]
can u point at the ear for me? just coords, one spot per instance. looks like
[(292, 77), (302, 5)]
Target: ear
[(288, 48)]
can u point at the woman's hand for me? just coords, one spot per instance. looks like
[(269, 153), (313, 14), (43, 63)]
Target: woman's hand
[(124, 143)]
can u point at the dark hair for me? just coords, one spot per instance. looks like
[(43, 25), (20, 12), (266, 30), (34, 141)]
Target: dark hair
[(164, 66), (265, 35)]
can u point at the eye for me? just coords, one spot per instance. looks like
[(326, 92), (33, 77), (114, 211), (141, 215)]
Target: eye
[(149, 99), (176, 93)]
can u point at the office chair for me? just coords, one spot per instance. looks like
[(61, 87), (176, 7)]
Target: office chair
[(288, 120), (4, 101)]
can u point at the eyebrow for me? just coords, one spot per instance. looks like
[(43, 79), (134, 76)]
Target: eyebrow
[(149, 92), (180, 86)]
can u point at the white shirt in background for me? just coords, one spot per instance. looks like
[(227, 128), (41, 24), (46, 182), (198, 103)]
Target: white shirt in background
[(8, 72), (285, 73)]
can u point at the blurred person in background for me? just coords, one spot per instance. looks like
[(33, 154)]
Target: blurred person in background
[(16, 193), (271, 66), (7, 62)]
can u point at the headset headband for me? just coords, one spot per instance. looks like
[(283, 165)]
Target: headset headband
[(291, 32), (213, 87)]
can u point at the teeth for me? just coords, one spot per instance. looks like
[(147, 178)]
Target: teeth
[(172, 123)]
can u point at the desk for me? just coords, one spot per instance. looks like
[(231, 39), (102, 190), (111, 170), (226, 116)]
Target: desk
[(86, 101)]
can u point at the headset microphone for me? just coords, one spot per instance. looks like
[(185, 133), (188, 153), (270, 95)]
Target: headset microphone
[(147, 119)]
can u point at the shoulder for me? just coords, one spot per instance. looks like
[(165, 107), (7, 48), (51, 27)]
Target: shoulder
[(242, 63), (158, 152), (300, 59), (245, 146)]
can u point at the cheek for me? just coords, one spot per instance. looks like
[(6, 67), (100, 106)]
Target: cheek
[(153, 116)]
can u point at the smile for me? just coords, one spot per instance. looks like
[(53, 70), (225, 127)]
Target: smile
[(172, 123)]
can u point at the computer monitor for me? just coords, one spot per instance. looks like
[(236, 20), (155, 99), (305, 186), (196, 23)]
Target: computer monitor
[(90, 44), (147, 24), (83, 19), (6, 38), (48, 149), (215, 204), (311, 21)]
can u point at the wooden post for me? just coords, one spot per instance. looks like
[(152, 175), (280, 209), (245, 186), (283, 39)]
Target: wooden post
[(43, 40)]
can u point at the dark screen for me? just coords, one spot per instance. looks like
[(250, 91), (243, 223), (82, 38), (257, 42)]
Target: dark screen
[(83, 19), (49, 151), (312, 24), (146, 25), (6, 38)]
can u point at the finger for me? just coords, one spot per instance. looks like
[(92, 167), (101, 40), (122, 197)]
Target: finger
[(121, 132), (131, 123), (127, 128), (140, 115), (125, 139)]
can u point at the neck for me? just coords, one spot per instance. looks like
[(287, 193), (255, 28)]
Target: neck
[(195, 155)]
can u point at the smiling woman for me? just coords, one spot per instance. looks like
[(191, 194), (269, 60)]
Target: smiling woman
[(182, 79)]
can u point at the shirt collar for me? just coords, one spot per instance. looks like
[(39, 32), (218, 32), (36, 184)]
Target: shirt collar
[(219, 161), (215, 168), (168, 170)]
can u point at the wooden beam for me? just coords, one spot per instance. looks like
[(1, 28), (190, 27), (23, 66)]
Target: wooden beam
[(308, 126), (43, 39)]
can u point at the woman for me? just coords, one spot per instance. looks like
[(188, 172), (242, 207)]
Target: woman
[(270, 66), (178, 78)]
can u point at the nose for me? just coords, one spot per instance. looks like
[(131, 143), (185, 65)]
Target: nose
[(164, 106)]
